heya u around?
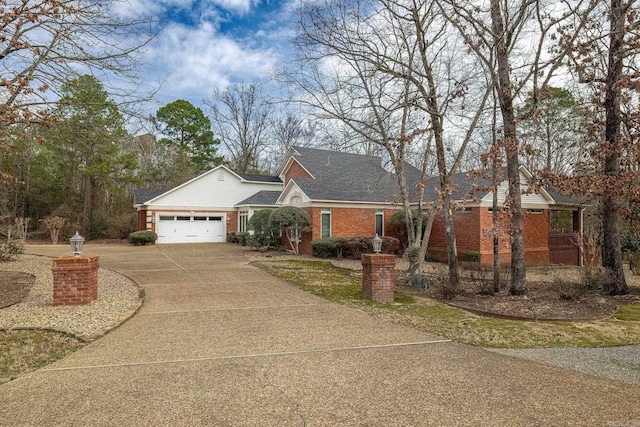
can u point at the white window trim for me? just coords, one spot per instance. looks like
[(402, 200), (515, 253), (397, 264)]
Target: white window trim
[(243, 221), (325, 211), (381, 214)]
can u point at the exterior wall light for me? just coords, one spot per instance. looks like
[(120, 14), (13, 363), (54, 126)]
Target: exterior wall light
[(76, 244), (377, 244)]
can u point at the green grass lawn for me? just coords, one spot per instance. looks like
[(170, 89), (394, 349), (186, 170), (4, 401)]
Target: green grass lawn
[(339, 285), (25, 351)]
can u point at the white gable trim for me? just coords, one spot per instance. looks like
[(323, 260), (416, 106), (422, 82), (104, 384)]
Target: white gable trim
[(290, 190), (529, 176), (535, 200), (288, 161)]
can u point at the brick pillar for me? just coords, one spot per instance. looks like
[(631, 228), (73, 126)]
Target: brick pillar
[(75, 280), (378, 280)]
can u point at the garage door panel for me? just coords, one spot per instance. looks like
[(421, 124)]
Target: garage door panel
[(193, 230)]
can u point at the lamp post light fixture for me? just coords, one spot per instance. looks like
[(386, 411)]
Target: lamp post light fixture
[(377, 244), (76, 244)]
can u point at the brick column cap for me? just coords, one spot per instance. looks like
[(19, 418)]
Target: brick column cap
[(379, 259)]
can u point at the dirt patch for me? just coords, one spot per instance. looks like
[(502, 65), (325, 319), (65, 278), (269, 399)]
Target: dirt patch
[(547, 291), (14, 287), (552, 299)]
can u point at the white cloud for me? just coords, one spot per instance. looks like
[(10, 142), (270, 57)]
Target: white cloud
[(195, 60)]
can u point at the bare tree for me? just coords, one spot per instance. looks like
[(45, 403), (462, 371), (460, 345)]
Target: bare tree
[(43, 43), (516, 43), (606, 60), (241, 117), (390, 70)]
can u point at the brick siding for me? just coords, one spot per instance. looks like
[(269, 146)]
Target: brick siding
[(347, 222), (295, 171)]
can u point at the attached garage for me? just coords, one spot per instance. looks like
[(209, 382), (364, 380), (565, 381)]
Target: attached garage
[(190, 229)]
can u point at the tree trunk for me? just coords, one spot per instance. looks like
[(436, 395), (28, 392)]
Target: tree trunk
[(496, 236), (452, 250), (611, 252), (422, 253), (505, 97)]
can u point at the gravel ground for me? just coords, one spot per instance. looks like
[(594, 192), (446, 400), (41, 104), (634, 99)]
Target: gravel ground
[(618, 363), (118, 298)]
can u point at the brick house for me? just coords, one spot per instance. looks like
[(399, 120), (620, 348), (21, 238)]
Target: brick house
[(349, 195)]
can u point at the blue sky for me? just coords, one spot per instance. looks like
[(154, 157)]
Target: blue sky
[(209, 44)]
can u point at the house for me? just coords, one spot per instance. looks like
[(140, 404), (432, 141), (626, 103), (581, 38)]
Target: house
[(351, 195), (205, 208)]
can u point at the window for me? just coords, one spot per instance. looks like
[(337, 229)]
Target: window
[(167, 218), (215, 218), (380, 222), (325, 221), (468, 209), (199, 218), (243, 219), (535, 211), (183, 218)]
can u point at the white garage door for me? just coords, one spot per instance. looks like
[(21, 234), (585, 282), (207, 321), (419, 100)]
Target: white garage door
[(190, 229)]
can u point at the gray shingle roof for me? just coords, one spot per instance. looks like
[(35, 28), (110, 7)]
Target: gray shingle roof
[(142, 195), (349, 177), (475, 184), (261, 198), (260, 178)]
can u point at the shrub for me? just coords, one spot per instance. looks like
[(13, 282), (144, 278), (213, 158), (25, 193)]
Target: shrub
[(294, 221), (356, 246), (142, 237), (324, 248), (243, 238), (232, 237), (10, 250), (629, 243), (351, 247), (399, 224), (390, 245), (472, 256), (634, 263), (265, 232), (341, 245)]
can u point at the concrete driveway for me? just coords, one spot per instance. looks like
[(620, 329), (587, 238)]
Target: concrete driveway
[(221, 343)]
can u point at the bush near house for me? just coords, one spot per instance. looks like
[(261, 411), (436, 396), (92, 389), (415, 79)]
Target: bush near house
[(265, 233), (472, 256), (399, 224), (351, 247), (324, 248), (141, 238), (10, 250), (241, 238)]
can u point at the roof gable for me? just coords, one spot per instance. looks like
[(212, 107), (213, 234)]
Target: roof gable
[(346, 177)]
